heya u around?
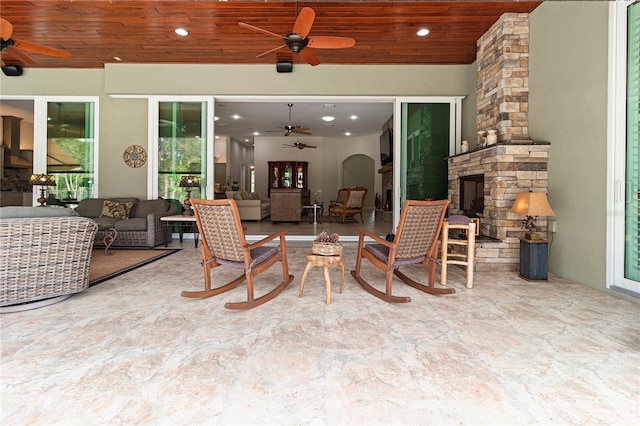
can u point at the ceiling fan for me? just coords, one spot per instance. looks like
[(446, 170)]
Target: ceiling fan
[(290, 128), (15, 50), (298, 145), (299, 41)]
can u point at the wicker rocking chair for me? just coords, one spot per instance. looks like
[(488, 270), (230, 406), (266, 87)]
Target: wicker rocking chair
[(416, 242), (223, 243)]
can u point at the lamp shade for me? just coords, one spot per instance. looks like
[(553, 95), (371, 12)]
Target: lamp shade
[(42, 179), (532, 204), (189, 181)]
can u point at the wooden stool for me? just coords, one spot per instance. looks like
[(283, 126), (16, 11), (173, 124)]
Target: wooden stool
[(453, 258), (325, 262)]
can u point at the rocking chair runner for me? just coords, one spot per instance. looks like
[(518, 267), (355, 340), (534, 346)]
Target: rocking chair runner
[(223, 243), (416, 242)]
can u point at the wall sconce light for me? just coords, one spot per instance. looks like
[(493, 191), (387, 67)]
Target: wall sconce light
[(188, 182), (43, 181), (531, 204)]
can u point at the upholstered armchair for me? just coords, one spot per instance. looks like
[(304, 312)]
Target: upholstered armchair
[(353, 204)]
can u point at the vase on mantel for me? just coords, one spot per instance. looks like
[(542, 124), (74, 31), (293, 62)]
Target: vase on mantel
[(481, 140), (464, 147), (492, 137)]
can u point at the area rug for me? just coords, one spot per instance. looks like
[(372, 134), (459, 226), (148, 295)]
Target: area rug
[(104, 267)]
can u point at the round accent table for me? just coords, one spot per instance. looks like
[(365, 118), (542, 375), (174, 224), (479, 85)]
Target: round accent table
[(326, 262)]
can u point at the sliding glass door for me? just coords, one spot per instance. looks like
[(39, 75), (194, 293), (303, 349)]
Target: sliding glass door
[(429, 132), (624, 156)]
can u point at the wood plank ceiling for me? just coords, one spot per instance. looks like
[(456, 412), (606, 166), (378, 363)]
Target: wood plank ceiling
[(142, 31)]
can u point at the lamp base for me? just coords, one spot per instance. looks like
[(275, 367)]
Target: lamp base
[(187, 210), (532, 236)]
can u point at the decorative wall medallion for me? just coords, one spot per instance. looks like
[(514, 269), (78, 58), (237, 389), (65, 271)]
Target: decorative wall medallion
[(135, 156)]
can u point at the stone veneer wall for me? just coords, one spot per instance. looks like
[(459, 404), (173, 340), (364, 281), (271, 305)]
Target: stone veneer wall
[(502, 89), (507, 169)]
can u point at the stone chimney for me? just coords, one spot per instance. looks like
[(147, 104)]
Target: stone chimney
[(502, 89)]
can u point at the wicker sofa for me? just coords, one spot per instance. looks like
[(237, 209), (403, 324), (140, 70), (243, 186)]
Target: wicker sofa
[(45, 254), (250, 205), (140, 226)]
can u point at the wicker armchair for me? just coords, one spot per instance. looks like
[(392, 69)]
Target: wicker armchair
[(43, 259)]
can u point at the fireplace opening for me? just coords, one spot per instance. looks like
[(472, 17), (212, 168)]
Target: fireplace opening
[(472, 195)]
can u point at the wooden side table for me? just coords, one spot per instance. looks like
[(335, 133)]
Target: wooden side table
[(326, 262)]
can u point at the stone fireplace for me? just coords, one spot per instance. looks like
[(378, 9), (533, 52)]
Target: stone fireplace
[(515, 163)]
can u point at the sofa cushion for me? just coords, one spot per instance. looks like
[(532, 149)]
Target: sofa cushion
[(151, 206), (134, 224), (90, 207), (116, 209), (10, 212), (106, 222)]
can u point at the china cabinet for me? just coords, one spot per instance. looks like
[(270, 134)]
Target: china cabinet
[(288, 174)]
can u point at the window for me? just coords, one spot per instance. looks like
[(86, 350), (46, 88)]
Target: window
[(181, 147), (71, 148)]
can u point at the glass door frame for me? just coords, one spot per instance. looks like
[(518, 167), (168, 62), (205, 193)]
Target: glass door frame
[(400, 166), (153, 145), (616, 149)]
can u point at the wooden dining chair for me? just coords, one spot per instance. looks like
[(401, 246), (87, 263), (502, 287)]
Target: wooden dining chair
[(415, 243), (223, 244)]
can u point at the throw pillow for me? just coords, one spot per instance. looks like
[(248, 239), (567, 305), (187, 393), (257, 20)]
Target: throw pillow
[(116, 210), (255, 196), (245, 195)]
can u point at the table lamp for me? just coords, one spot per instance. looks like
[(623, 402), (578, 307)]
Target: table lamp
[(531, 204), (188, 182), (43, 181)]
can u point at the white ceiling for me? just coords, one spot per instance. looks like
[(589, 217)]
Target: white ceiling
[(268, 118)]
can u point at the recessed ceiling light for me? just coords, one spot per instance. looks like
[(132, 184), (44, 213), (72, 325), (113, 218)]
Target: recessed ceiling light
[(347, 133), (182, 32), (422, 32), (256, 133), (354, 117), (235, 116), (328, 118)]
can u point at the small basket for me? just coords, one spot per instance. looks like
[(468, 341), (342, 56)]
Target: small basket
[(326, 249)]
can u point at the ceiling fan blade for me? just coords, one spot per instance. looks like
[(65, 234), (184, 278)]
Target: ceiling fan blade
[(260, 30), (330, 42), (309, 56), (302, 132), (270, 51), (18, 55), (310, 146), (6, 29), (38, 48), (304, 22)]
